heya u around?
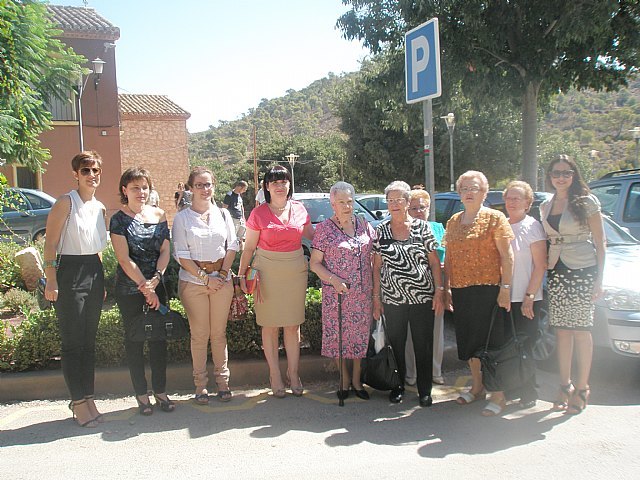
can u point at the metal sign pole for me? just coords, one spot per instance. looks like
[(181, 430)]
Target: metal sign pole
[(429, 180)]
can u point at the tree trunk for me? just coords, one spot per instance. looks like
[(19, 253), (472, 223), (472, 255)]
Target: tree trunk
[(530, 133)]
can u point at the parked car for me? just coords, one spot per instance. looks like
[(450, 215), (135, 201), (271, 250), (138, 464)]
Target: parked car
[(619, 195), (448, 203), (24, 214), (376, 203), (617, 313), (319, 208)]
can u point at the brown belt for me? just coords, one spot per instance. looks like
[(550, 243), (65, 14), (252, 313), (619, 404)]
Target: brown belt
[(209, 267)]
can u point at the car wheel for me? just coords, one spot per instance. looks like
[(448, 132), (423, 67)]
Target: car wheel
[(545, 347), (39, 237)]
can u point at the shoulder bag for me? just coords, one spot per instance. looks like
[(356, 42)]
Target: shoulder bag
[(380, 370), (508, 367), (158, 325)]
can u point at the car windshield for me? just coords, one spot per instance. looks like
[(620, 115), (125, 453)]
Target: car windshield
[(320, 209), (616, 235)]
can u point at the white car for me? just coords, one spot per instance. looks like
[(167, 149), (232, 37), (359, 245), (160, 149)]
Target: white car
[(376, 203)]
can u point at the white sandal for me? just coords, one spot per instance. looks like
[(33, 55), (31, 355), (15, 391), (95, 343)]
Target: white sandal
[(466, 398), (492, 409)]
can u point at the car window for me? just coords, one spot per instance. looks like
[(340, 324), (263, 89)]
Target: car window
[(632, 205), (615, 235), (12, 201), (441, 210), (370, 203), (382, 203), (457, 207), (37, 203), (319, 209), (608, 196)]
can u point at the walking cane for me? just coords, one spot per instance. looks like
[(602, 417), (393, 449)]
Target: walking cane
[(341, 396)]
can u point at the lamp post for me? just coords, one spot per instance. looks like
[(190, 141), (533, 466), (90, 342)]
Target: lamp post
[(97, 66), (291, 158), (450, 120), (636, 136)]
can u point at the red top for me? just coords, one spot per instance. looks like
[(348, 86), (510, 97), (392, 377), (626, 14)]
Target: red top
[(274, 235)]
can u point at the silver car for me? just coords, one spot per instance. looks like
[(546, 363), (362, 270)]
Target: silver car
[(617, 313), (24, 214)]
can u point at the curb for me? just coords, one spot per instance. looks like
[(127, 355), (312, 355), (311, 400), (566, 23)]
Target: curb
[(50, 385)]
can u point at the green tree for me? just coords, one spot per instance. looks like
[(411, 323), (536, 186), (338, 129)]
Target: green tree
[(33, 67), (518, 49)]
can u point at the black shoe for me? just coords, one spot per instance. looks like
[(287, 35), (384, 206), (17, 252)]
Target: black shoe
[(426, 401), (342, 394), (523, 403), (395, 396), (362, 394)]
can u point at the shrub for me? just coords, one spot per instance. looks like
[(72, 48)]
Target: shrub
[(33, 344), (16, 300), (9, 268)]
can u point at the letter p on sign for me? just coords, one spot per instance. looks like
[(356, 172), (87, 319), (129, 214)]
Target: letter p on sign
[(422, 62)]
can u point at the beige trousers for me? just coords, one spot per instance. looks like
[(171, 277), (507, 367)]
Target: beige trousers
[(207, 314)]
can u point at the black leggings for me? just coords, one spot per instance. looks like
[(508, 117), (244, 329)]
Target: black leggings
[(130, 306), (420, 317), (80, 296)]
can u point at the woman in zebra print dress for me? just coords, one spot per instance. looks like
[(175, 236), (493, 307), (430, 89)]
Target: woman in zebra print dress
[(407, 287)]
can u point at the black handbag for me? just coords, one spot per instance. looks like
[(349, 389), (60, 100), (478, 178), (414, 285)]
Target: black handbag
[(158, 325), (380, 370), (508, 367)]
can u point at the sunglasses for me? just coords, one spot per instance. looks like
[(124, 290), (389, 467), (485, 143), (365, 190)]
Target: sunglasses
[(562, 173), (202, 186), (84, 171)]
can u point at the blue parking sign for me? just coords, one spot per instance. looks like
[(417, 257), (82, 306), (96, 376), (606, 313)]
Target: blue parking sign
[(422, 62)]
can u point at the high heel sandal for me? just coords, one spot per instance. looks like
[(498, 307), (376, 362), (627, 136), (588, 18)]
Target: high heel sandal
[(89, 423), (166, 404), (581, 396), (144, 408), (565, 393), (278, 393), (297, 391), (100, 417)]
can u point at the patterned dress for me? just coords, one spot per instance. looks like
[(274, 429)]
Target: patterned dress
[(350, 259)]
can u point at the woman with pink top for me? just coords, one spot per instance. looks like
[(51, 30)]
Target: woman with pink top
[(274, 235)]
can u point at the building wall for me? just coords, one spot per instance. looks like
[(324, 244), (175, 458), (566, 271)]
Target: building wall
[(160, 146)]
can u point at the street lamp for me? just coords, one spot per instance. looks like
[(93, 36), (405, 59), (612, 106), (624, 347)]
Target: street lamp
[(450, 120), (636, 136), (97, 66), (291, 158)]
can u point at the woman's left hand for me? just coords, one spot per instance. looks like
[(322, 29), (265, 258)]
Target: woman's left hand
[(504, 299), (152, 300), (527, 308), (438, 302), (597, 290), (216, 283)]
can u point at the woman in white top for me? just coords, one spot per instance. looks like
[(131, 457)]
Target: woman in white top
[(76, 236), (205, 244), (529, 266)]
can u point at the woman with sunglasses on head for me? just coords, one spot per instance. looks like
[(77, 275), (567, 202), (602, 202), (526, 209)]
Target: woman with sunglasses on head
[(407, 287), (274, 233), (76, 236), (205, 245), (478, 269), (140, 239), (573, 223)]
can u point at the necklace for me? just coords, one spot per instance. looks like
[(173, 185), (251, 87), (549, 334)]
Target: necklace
[(277, 209)]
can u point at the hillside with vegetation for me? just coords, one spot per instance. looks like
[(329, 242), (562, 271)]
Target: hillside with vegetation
[(311, 122)]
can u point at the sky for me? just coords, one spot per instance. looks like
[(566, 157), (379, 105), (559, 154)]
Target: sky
[(219, 58)]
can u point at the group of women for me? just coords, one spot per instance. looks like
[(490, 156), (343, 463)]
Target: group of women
[(395, 270)]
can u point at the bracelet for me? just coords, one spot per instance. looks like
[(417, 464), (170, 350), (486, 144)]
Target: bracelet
[(440, 288), (376, 296), (158, 275), (241, 276), (50, 263), (223, 273)]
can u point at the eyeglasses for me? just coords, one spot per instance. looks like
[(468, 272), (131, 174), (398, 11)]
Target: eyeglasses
[(203, 186), (418, 209), (562, 173), (84, 171), (471, 189), (398, 201)]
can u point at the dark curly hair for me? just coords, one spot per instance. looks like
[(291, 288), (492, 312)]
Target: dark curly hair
[(577, 191)]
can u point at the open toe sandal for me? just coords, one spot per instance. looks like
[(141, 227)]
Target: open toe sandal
[(225, 395), (564, 394), (578, 402), (466, 398), (166, 405)]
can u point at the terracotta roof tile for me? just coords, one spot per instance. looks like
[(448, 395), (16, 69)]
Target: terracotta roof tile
[(82, 22), (149, 105)]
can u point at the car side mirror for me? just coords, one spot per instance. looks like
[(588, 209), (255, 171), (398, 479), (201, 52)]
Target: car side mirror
[(379, 215)]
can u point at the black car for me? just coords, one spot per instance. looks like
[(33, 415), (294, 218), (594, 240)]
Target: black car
[(448, 203)]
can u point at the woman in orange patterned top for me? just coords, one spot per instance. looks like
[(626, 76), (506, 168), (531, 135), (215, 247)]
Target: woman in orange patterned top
[(478, 269)]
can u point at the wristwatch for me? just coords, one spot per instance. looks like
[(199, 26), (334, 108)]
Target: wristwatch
[(530, 295), (506, 286)]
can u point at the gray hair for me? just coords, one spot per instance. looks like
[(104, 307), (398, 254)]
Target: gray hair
[(399, 186), (342, 187), (474, 175)]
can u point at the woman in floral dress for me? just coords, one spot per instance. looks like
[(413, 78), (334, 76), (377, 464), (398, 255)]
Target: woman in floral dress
[(342, 258)]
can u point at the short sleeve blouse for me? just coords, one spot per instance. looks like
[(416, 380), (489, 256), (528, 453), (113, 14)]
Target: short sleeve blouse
[(472, 255), (276, 236), (405, 275)]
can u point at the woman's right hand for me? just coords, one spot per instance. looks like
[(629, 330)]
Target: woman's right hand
[(51, 289), (378, 309), (339, 284), (243, 285)]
